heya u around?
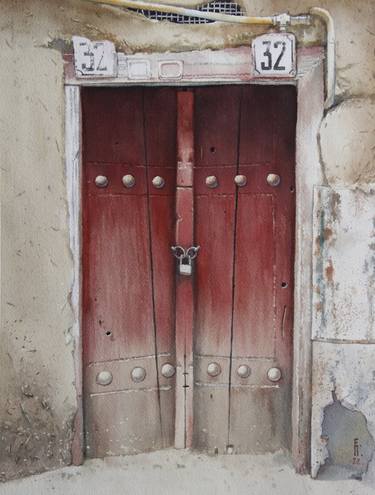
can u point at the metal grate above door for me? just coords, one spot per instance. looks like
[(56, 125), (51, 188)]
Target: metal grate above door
[(217, 7)]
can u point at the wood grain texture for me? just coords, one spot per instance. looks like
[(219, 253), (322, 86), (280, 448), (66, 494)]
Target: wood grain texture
[(216, 143), (160, 114), (263, 301), (113, 125), (216, 125), (128, 282), (244, 271), (254, 294), (308, 173), (184, 285), (236, 309)]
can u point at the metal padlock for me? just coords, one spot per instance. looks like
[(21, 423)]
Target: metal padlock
[(185, 267), (185, 257)]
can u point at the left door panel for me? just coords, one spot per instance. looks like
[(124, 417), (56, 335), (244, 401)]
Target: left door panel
[(128, 271)]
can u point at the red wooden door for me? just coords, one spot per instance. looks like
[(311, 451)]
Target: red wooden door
[(244, 271), (201, 361), (129, 135)]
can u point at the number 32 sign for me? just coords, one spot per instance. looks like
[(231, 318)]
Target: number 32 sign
[(274, 55), (94, 58)]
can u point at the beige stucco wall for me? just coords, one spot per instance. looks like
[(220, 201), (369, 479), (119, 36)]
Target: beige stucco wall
[(37, 394)]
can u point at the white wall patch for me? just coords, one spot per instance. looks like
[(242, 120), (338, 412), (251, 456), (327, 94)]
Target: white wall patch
[(139, 69), (344, 265)]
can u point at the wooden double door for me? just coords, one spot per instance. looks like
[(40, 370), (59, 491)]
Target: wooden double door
[(201, 360)]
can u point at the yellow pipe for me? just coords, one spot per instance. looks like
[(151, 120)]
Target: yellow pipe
[(173, 9), (330, 56), (280, 20)]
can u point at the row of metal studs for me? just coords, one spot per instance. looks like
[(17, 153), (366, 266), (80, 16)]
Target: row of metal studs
[(244, 371), (241, 180), (128, 181), (138, 374), (211, 181)]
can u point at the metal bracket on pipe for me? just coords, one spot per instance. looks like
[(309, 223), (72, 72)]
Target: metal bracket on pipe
[(285, 19), (282, 21)]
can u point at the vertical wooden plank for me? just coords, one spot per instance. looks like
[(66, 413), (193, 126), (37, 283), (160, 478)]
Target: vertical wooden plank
[(214, 274), (184, 286), (256, 139), (216, 140), (160, 143), (308, 173), (214, 232), (119, 318), (254, 331), (117, 274), (284, 141), (262, 337), (113, 125), (216, 126), (73, 150)]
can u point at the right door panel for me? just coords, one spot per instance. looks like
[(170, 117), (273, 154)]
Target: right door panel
[(244, 272)]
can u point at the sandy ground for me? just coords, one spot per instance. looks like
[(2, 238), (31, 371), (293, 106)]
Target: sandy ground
[(173, 472)]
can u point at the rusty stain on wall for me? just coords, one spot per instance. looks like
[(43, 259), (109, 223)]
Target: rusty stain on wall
[(343, 265)]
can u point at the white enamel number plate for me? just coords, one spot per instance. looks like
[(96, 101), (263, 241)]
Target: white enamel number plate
[(274, 55), (94, 58)]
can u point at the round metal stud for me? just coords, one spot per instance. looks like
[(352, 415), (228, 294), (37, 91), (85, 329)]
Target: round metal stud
[(243, 371), (138, 374), (158, 182), (104, 377), (168, 370), (273, 180), (274, 374), (128, 181), (211, 181), (101, 181), (240, 180), (214, 369)]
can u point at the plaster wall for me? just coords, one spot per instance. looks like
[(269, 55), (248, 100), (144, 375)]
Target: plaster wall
[(343, 295), (37, 394)]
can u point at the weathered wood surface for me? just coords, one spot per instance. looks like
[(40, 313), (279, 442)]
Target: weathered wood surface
[(244, 293), (237, 308), (263, 279), (216, 143), (184, 286), (128, 304), (310, 103)]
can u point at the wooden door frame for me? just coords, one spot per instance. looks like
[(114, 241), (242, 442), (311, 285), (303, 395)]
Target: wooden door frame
[(228, 66)]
